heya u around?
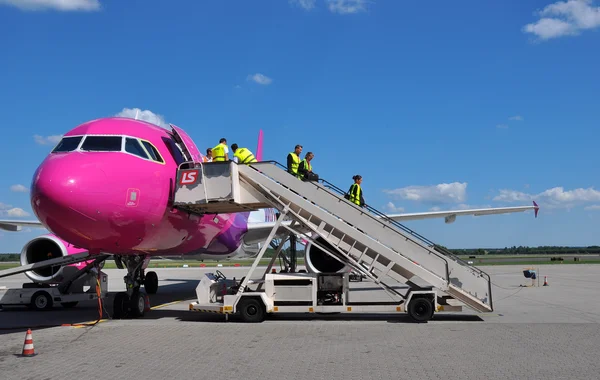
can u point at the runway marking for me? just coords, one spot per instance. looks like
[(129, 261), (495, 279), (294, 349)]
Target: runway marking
[(78, 325)]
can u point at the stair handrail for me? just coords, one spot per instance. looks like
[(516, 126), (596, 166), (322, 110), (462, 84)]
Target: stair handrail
[(436, 249)]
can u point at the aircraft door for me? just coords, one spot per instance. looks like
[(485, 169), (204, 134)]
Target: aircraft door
[(190, 150)]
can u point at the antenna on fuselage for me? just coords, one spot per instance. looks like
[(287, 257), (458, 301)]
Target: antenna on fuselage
[(137, 112)]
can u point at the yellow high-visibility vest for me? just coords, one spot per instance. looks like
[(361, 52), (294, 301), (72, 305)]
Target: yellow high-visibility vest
[(295, 164), (244, 156), (307, 165), (355, 196), (218, 153)]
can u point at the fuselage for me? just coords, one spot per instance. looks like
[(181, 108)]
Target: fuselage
[(108, 186)]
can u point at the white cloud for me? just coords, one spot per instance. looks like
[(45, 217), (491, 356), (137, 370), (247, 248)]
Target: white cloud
[(501, 126), (45, 140), (346, 6), (565, 18), (464, 206), (146, 115), (393, 208), (19, 188), (14, 212), (516, 118), (17, 212), (443, 193), (555, 197), (260, 79), (461, 206), (592, 208), (60, 5), (306, 4)]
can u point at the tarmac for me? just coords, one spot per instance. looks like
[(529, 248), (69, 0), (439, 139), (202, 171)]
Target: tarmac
[(534, 332)]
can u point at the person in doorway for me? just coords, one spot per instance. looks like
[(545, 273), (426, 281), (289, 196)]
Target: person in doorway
[(242, 155), (208, 157), (221, 151), (355, 194)]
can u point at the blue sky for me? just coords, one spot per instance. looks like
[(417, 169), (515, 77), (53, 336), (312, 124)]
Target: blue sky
[(439, 105)]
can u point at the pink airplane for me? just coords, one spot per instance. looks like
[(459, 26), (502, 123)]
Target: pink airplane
[(108, 188)]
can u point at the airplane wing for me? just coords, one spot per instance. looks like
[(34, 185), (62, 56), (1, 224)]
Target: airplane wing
[(16, 225), (450, 215), (258, 232)]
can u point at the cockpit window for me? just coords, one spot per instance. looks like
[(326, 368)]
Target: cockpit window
[(133, 146), (102, 143), (152, 151), (68, 144)]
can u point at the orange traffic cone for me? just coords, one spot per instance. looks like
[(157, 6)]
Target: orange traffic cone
[(28, 345), (545, 281)]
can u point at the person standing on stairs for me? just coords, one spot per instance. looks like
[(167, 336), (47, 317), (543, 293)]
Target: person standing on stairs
[(355, 193)]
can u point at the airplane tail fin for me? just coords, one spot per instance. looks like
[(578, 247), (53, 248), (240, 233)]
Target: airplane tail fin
[(259, 147), (270, 213)]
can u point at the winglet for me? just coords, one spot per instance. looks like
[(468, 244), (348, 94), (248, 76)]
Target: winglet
[(259, 147), (536, 208)]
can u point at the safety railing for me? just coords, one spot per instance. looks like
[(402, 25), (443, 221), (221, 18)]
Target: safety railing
[(436, 249)]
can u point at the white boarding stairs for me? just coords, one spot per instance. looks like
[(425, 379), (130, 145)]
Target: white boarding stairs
[(376, 247)]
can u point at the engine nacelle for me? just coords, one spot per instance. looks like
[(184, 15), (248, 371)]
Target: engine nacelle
[(318, 261), (48, 247)]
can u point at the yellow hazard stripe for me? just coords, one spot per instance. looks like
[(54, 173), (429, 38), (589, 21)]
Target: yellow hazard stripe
[(222, 310), (164, 304)]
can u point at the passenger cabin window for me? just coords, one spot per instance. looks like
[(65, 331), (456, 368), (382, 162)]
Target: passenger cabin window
[(133, 146), (152, 151), (102, 143), (68, 144)]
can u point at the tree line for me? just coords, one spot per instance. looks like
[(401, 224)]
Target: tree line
[(520, 250)]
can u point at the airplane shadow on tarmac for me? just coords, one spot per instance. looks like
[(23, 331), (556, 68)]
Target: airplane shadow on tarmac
[(191, 316), (20, 318), (180, 293)]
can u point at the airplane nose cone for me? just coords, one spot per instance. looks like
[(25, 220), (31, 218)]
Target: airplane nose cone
[(64, 193)]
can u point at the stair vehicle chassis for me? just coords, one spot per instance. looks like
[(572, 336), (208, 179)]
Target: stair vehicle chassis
[(300, 293)]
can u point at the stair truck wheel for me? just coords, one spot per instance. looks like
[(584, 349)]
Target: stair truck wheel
[(420, 309), (41, 301), (251, 309)]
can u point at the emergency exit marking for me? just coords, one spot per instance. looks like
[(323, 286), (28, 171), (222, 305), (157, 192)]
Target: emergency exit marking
[(133, 197)]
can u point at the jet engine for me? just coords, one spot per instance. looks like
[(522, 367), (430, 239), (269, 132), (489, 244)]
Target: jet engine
[(48, 247), (318, 261)]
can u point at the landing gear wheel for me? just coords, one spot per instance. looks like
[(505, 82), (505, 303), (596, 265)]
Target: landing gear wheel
[(41, 301), (68, 305), (251, 310), (137, 304), (420, 310), (151, 282), (121, 306)]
